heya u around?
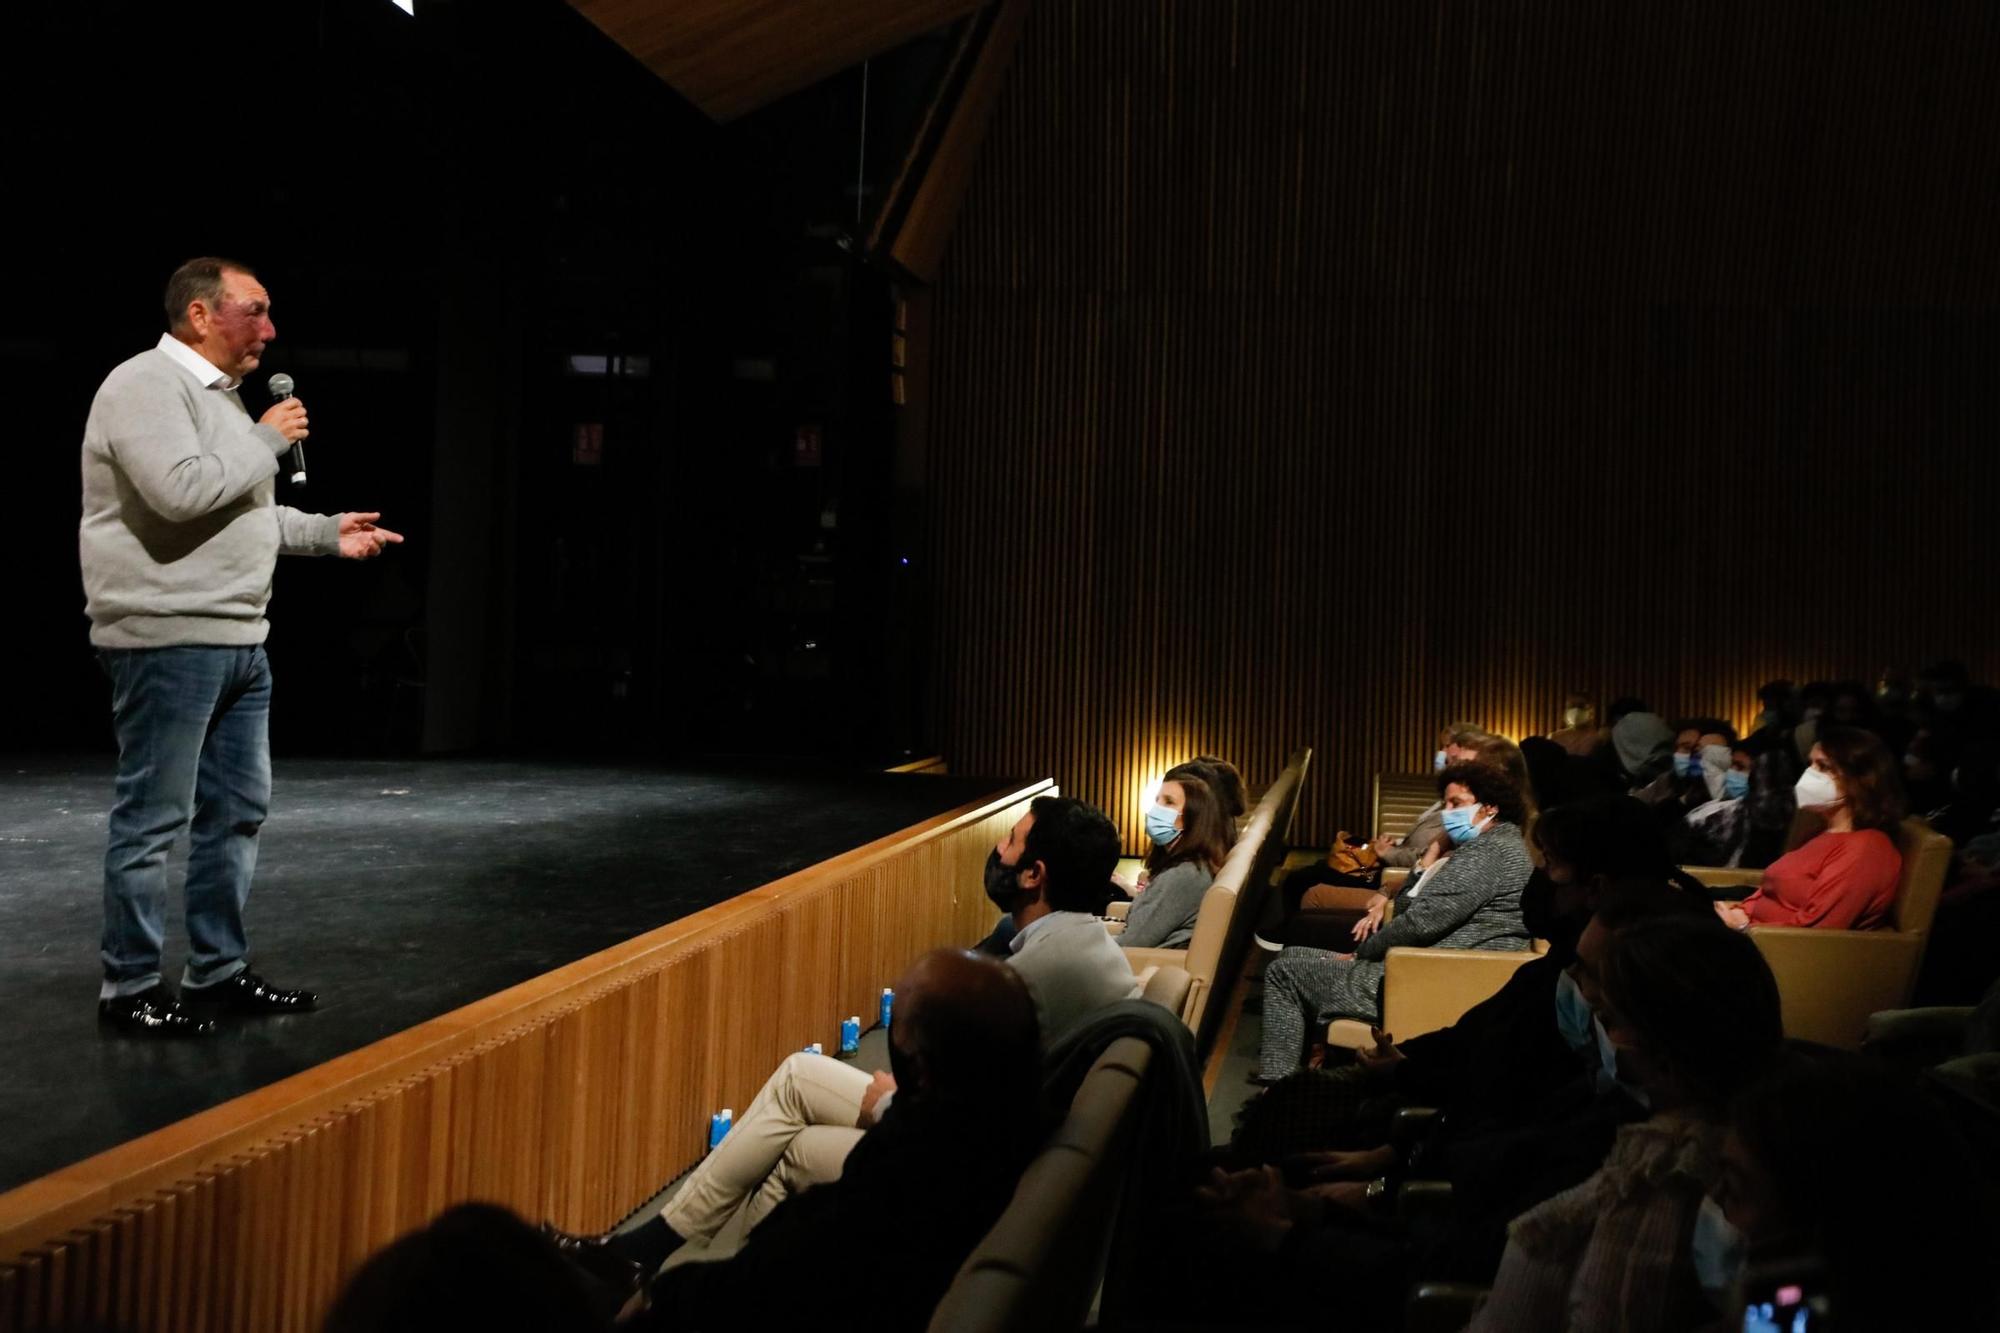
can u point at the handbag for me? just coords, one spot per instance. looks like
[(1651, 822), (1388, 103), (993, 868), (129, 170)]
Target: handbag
[(1353, 857)]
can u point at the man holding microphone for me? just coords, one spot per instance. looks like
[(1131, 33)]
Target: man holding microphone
[(179, 539)]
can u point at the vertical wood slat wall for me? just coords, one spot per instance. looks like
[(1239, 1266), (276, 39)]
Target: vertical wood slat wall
[(572, 1097), (1315, 374)]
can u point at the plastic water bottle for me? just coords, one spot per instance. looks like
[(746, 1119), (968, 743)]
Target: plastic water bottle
[(888, 1006), (850, 1035), (718, 1126)]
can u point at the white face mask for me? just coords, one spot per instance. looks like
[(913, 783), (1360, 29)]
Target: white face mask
[(1816, 789), (1714, 763)]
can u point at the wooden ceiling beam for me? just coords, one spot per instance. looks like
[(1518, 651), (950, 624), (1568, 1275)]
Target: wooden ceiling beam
[(730, 57)]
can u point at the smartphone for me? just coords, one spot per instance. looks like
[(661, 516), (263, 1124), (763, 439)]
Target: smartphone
[(1788, 1298)]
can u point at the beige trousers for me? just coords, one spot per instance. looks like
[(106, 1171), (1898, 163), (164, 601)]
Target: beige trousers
[(794, 1135)]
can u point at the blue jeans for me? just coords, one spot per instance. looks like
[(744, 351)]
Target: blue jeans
[(194, 752)]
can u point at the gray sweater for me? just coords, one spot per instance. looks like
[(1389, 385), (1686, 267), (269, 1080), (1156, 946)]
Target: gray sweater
[(1163, 916), (1072, 969), (181, 531)]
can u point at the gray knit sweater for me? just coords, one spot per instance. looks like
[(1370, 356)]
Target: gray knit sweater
[(180, 529)]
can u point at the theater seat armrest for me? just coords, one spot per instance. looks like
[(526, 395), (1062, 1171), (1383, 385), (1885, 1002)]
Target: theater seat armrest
[(1114, 927), (1427, 989), (1423, 1198), (1831, 981), (1118, 911), (1141, 959), (1726, 883), (1442, 1307), (1393, 878), (1917, 1038), (1411, 1124)]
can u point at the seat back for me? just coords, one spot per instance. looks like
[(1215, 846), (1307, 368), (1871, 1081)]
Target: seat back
[(1247, 876), (1040, 1265), (1400, 798), (1168, 987), (1831, 981), (1926, 863)]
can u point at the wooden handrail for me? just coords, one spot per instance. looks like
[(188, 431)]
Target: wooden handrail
[(571, 1095)]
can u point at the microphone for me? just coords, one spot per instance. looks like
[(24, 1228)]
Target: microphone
[(280, 386)]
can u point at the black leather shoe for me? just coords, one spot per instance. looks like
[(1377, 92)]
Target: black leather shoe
[(248, 993), (151, 1013), (612, 1278)]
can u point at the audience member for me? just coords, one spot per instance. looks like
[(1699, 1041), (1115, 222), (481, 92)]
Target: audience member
[(1227, 783), (1814, 699), (1642, 747), (1896, 1238), (1623, 707), (1505, 1054), (476, 1266), (1684, 1016), (810, 1113), (1191, 835), (1771, 806), (1472, 901), (1844, 878), (1045, 875), (1579, 734), (1351, 893), (920, 1187), (1778, 704), (1716, 832), (1340, 1234)]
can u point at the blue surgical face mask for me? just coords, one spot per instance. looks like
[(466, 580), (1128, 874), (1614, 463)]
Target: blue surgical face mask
[(1718, 1252), (1735, 785), (1573, 1015), (1438, 761), (1687, 765), (1160, 826), (1459, 825), (1607, 1056)]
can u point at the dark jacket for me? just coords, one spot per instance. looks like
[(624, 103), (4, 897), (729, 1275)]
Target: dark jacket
[(1503, 1057), (917, 1193)]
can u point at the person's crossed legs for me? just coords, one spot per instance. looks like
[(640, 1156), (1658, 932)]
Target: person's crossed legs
[(795, 1134)]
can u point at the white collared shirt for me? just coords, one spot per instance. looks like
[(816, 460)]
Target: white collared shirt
[(195, 364)]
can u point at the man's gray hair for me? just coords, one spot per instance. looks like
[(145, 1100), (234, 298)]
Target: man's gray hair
[(198, 280)]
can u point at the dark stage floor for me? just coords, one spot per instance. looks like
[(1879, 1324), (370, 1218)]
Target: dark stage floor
[(399, 891)]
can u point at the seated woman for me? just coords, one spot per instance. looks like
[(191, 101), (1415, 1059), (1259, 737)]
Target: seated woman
[(1506, 1055), (1191, 838), (1351, 894), (1798, 1206), (1686, 1017), (1844, 878), (1471, 901), (1227, 786)]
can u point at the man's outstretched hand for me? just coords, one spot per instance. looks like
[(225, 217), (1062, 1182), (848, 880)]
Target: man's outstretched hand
[(360, 538)]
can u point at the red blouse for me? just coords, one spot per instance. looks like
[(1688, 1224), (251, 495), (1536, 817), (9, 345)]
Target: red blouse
[(1841, 881)]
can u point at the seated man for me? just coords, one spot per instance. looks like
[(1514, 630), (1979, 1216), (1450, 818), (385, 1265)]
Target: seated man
[(814, 1109), (918, 1190)]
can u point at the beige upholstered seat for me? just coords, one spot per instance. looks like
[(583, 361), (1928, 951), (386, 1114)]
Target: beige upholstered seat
[(1831, 980), (1427, 989), (1039, 1267), (1167, 986)]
